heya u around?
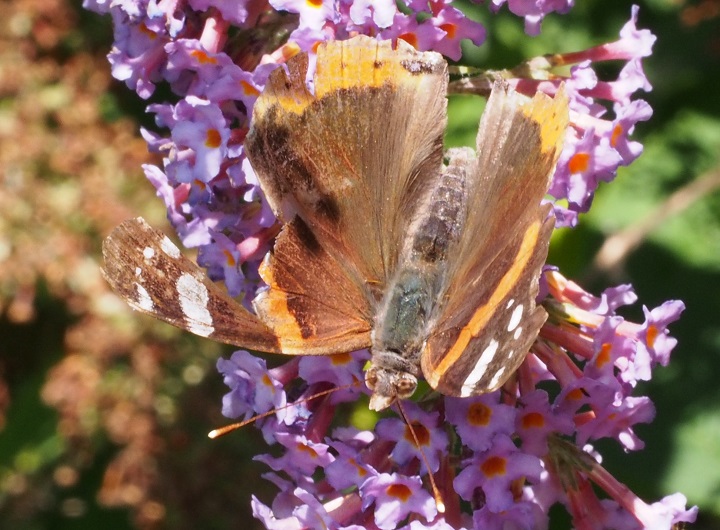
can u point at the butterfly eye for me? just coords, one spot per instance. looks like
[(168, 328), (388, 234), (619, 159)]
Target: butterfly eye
[(405, 385), (371, 378)]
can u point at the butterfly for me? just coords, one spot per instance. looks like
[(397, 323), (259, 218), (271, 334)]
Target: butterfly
[(430, 259)]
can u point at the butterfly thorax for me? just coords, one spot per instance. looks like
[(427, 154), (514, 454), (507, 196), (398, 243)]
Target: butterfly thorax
[(413, 296)]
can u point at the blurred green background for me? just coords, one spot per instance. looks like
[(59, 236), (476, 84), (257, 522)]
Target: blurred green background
[(104, 413)]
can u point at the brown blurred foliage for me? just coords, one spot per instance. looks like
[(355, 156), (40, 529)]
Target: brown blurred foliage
[(132, 401)]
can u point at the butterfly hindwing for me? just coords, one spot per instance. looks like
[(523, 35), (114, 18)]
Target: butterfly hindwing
[(311, 302)]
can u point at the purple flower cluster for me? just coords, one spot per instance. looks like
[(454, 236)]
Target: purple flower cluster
[(500, 460), (599, 146), (597, 143)]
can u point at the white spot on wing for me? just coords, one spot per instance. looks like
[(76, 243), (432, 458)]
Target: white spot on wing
[(143, 299), (510, 303), (148, 253), (472, 379), (138, 271), (515, 318), (193, 297), (496, 378), (169, 248), (518, 332)]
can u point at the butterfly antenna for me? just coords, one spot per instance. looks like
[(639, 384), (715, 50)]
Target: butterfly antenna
[(222, 431), (435, 491)]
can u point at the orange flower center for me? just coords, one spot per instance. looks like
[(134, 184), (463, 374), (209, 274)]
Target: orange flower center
[(479, 415), (410, 38), (652, 333), (494, 466), (579, 162), (308, 450), (340, 359), (604, 356), (533, 420), (248, 89), (202, 57), (423, 435), (212, 138), (399, 491), (450, 29)]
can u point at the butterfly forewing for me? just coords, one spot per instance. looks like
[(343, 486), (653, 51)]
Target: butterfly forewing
[(347, 166), (146, 269), (487, 318), (352, 159), (487, 338)]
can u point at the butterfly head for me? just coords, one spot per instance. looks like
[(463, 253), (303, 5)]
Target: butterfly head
[(387, 385)]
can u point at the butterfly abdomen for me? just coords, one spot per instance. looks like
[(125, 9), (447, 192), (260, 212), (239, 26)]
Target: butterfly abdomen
[(413, 292), (440, 222)]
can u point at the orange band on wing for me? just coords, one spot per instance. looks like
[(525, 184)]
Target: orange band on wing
[(349, 65), (486, 311), (277, 315), (343, 65), (552, 116)]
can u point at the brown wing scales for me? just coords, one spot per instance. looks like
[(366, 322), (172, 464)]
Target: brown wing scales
[(311, 303), (144, 267), (352, 160), (488, 318)]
